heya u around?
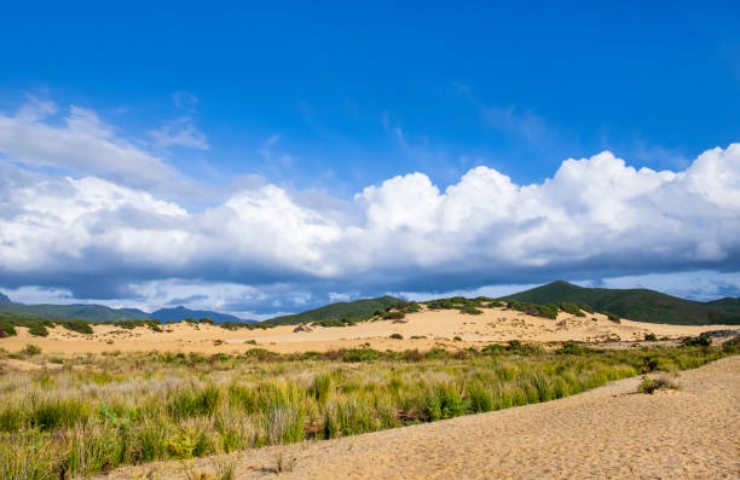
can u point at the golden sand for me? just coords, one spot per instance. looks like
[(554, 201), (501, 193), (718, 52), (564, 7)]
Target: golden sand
[(430, 329)]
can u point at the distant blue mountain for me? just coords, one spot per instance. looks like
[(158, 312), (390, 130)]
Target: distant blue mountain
[(4, 298), (178, 314)]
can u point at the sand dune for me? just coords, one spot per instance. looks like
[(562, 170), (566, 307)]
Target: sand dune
[(610, 432), (429, 329)]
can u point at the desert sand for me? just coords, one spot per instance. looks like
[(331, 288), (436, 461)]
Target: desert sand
[(609, 432), (429, 329)]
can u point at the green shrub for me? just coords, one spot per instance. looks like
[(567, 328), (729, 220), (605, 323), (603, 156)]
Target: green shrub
[(572, 348), (470, 310), (7, 330), (78, 326), (571, 308), (396, 336), (31, 350), (613, 317), (393, 315), (703, 340), (651, 337), (651, 385), (38, 329), (359, 355)]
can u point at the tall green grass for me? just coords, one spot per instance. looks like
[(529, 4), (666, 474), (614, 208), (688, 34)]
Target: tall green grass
[(99, 412)]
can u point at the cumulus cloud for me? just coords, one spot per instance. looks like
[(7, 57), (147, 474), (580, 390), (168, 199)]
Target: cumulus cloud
[(595, 217)]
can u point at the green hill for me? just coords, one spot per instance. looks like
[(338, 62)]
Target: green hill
[(637, 304), (90, 313), (357, 310)]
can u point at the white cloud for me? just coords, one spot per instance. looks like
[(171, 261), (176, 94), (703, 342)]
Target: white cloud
[(81, 144), (594, 215), (180, 133)]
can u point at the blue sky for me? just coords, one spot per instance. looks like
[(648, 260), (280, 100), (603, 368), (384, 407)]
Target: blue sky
[(207, 106)]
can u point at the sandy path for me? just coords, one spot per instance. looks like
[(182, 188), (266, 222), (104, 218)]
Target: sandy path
[(423, 330), (609, 432)]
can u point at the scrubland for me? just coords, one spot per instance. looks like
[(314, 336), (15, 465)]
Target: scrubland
[(86, 414)]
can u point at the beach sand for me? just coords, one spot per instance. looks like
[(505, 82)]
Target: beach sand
[(609, 432)]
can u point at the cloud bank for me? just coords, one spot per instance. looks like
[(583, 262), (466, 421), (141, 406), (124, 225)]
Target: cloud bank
[(102, 237)]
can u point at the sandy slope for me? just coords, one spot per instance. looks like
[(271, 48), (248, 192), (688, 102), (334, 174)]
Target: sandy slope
[(609, 432), (438, 328)]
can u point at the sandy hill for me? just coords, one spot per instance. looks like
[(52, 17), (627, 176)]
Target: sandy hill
[(422, 330)]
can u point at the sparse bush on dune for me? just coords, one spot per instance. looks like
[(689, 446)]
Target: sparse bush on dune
[(571, 308), (651, 385), (396, 336), (38, 330), (100, 412), (78, 326), (470, 310), (31, 350)]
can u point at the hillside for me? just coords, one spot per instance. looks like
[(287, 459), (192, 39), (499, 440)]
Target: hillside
[(90, 313), (4, 298), (356, 310), (180, 313), (637, 304)]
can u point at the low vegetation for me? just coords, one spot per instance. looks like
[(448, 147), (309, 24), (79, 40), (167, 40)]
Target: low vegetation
[(651, 385), (98, 412)]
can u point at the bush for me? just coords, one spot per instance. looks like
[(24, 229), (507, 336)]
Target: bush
[(732, 345), (651, 385), (31, 350), (571, 308), (703, 340), (493, 348), (545, 311), (358, 355), (7, 330), (651, 337), (457, 338), (572, 348), (78, 326), (38, 330), (613, 317), (397, 336), (393, 315), (470, 310)]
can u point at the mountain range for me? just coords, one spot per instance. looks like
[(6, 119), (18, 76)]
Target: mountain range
[(638, 304), (101, 313), (635, 304)]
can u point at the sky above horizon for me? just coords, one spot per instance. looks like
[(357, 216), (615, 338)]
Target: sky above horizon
[(268, 157)]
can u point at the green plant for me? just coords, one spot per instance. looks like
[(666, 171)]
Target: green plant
[(651, 337), (78, 326), (38, 329), (393, 315), (470, 310), (396, 336), (31, 350), (651, 385), (702, 340)]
